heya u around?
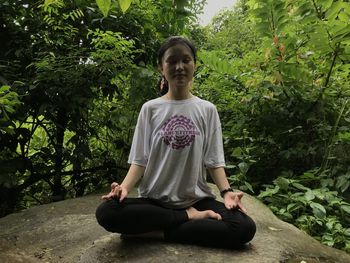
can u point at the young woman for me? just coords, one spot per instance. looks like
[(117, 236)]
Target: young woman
[(177, 139)]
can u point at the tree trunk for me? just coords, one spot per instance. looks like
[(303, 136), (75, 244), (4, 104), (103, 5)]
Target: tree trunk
[(58, 191), (78, 180)]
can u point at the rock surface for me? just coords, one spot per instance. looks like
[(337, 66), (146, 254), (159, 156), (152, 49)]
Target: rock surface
[(67, 232)]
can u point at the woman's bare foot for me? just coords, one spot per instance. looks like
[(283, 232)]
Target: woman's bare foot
[(194, 214)]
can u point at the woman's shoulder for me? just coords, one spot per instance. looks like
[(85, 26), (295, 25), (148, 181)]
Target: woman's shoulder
[(151, 103), (158, 102), (206, 104)]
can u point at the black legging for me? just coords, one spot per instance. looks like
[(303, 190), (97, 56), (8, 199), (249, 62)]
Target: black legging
[(141, 215)]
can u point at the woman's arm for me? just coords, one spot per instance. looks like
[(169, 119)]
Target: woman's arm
[(219, 177), (132, 177), (232, 200)]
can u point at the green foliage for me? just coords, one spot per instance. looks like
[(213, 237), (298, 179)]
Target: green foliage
[(78, 79), (9, 101), (104, 6), (282, 90), (124, 4), (320, 211), (238, 173), (110, 47), (278, 72)]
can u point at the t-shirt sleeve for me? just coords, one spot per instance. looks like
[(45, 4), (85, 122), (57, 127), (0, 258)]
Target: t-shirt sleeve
[(213, 149), (139, 151)]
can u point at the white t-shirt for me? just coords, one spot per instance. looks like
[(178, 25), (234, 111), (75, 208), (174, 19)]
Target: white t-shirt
[(176, 140)]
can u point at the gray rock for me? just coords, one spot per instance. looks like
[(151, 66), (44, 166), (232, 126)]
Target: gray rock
[(67, 231)]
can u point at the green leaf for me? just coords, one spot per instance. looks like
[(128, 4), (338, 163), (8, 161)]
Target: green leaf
[(243, 167), (4, 89), (345, 208), (321, 193), (282, 182), (292, 207), (308, 175), (318, 210), (326, 4), (334, 10), (347, 232), (343, 183), (343, 17), (305, 8), (269, 192), (124, 5), (342, 38), (300, 186), (249, 186), (237, 152), (328, 240), (264, 28), (344, 136), (104, 6), (180, 4), (309, 195)]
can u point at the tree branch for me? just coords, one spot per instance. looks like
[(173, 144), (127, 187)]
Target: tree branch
[(36, 177)]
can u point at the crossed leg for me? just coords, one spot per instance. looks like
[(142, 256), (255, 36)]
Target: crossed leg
[(196, 225), (234, 230)]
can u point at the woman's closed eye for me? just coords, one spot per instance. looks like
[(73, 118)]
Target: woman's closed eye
[(174, 61)]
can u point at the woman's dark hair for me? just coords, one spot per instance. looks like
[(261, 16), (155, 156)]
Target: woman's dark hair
[(172, 41), (168, 43)]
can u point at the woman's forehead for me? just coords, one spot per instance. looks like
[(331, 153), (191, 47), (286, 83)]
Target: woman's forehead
[(178, 50)]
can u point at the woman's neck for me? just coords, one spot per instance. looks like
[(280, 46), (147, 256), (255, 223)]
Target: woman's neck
[(171, 95), (180, 93)]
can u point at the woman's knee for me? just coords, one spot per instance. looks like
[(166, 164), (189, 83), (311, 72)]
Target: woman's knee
[(242, 227), (248, 229), (104, 215)]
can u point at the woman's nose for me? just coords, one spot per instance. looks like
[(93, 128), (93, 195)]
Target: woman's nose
[(179, 65)]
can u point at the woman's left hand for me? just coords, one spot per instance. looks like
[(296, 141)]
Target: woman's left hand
[(117, 192), (232, 200)]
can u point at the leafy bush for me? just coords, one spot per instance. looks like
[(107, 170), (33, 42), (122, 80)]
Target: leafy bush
[(282, 90), (9, 101), (313, 203), (81, 70)]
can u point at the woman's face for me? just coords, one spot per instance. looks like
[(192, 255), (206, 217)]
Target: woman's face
[(178, 66)]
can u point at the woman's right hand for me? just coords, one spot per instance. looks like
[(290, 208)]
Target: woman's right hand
[(117, 192)]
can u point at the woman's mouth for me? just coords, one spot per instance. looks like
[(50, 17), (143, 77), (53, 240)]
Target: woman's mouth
[(179, 75)]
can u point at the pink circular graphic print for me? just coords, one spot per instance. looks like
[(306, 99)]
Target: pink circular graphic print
[(179, 132)]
